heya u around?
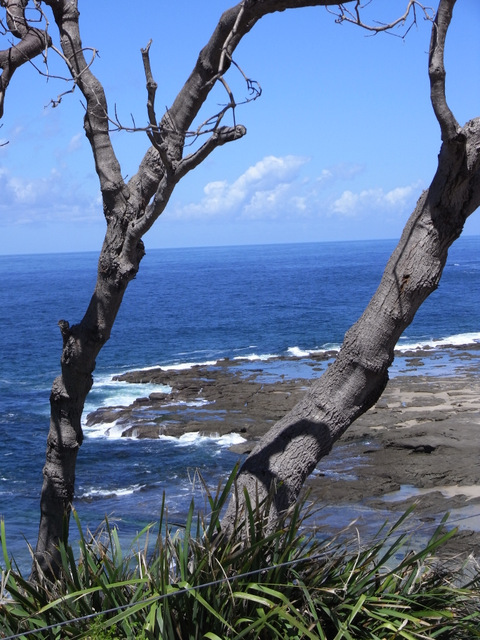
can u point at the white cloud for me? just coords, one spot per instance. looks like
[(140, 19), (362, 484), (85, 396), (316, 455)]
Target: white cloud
[(274, 189), (342, 171), (75, 143), (347, 203), (52, 197), (401, 195), (268, 201), (299, 203), (325, 176), (352, 204), (260, 187)]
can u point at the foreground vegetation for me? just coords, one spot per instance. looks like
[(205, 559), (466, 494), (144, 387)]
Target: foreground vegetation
[(197, 583)]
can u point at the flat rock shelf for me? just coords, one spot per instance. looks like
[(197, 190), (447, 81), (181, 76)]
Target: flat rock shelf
[(420, 443)]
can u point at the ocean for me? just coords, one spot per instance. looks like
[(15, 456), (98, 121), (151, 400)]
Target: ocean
[(186, 306)]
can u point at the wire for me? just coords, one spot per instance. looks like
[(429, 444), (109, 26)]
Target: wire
[(212, 583), (163, 596)]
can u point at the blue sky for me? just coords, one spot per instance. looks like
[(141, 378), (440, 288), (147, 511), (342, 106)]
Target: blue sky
[(339, 146)]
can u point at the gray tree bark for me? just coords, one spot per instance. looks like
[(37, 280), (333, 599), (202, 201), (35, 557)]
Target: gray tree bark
[(353, 383), (291, 450)]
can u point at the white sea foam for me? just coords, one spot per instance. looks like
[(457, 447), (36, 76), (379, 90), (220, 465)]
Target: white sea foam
[(104, 430), (254, 357), (113, 431), (458, 340), (196, 438), (107, 392), (182, 366), (174, 366), (200, 402), (296, 352), (229, 439), (107, 493), (249, 348)]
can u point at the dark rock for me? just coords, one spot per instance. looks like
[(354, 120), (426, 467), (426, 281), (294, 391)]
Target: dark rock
[(423, 432)]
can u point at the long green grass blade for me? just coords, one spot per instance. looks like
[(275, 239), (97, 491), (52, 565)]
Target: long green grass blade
[(194, 593), (3, 538)]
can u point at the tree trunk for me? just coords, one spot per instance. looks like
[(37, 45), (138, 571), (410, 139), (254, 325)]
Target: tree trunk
[(279, 465), (353, 383), (81, 345)]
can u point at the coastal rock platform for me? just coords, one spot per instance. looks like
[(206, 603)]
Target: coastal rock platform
[(419, 443)]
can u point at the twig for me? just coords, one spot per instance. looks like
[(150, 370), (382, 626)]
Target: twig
[(354, 16)]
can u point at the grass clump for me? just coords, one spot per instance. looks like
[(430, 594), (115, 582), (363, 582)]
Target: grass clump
[(199, 583)]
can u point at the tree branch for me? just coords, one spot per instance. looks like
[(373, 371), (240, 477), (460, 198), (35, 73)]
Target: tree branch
[(219, 137), (437, 74), (153, 131), (354, 17), (169, 180), (212, 63), (32, 42), (96, 117)]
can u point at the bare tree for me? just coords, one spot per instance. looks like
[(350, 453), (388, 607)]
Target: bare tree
[(290, 451)]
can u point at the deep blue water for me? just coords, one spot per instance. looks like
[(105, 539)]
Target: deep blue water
[(186, 306)]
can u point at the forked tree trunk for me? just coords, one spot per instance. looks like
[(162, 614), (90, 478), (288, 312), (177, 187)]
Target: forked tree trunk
[(130, 210)]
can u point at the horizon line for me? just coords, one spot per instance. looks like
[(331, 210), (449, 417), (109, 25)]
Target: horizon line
[(220, 246)]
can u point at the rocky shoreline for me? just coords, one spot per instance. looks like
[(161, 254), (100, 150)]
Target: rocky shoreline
[(419, 443)]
